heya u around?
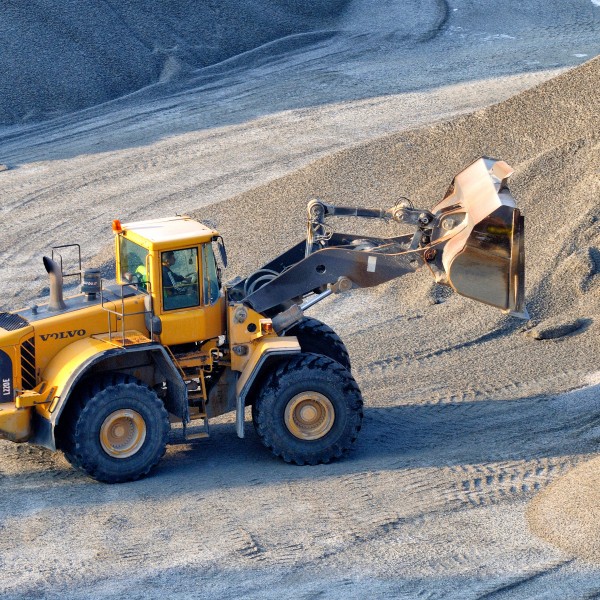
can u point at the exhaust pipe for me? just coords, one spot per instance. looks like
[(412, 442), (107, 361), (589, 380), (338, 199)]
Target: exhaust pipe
[(56, 285)]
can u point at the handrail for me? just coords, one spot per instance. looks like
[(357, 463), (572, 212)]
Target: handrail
[(75, 273), (122, 315)]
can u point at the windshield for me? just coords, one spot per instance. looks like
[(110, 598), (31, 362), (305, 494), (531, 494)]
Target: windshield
[(132, 261)]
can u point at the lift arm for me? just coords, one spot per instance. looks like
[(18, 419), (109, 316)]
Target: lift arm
[(471, 241)]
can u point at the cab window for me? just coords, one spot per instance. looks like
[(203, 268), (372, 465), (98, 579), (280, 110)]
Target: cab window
[(132, 262), (210, 277), (179, 278)]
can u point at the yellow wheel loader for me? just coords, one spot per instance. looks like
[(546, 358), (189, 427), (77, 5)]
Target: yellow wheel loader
[(103, 374)]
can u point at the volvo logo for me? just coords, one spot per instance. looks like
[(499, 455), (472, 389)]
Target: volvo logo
[(63, 335)]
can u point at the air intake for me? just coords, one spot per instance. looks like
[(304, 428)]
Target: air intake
[(28, 373), (12, 322)]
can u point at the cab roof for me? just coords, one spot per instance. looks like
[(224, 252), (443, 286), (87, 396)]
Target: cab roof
[(169, 231)]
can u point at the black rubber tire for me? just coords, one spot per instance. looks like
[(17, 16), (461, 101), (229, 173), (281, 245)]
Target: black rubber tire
[(312, 373), (82, 446), (318, 338)]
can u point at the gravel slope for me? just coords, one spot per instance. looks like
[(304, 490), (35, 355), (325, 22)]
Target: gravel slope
[(473, 476)]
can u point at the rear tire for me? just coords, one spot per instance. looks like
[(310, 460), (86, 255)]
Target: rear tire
[(318, 338), (309, 410), (118, 431)]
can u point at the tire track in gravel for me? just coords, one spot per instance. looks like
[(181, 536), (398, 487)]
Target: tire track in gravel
[(483, 452), (424, 498), (121, 559), (439, 394), (406, 495), (371, 512), (290, 551), (221, 464), (236, 537), (526, 427), (402, 360), (496, 483)]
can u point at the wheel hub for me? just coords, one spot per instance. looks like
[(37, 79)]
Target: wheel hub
[(309, 415), (122, 433)]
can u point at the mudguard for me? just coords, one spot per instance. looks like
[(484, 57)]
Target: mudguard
[(79, 359), (264, 351)]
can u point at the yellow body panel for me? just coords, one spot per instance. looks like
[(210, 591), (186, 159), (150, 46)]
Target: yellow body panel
[(60, 331), (15, 423), (266, 345), (193, 324), (244, 327), (10, 339), (62, 367), (169, 233), (260, 351)]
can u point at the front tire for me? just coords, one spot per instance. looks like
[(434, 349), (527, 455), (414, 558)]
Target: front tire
[(317, 337), (118, 431), (309, 410)]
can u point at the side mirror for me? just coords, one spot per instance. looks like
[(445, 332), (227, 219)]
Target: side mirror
[(222, 251)]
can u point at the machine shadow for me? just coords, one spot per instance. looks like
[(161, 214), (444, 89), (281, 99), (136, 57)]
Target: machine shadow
[(408, 437), (392, 438)]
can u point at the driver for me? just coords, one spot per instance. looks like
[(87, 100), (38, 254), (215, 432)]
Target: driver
[(136, 273), (170, 278)]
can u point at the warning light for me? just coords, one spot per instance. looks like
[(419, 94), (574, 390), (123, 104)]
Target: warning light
[(116, 226), (266, 327)]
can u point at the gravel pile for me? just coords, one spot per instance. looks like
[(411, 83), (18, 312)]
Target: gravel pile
[(550, 135), (62, 56)]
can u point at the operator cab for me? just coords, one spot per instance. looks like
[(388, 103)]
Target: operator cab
[(173, 261)]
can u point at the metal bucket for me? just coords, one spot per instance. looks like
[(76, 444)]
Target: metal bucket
[(482, 234)]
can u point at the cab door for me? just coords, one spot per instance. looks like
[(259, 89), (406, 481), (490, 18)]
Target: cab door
[(191, 304)]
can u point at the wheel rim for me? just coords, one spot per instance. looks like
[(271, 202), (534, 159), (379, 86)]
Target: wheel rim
[(309, 415), (122, 433)]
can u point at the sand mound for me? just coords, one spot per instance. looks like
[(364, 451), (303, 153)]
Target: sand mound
[(61, 56), (567, 513), (549, 134)]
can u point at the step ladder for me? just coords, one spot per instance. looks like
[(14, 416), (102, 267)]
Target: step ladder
[(192, 432), (197, 395)]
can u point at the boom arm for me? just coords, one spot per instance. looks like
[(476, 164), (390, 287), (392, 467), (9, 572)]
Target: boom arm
[(472, 241), (318, 233)]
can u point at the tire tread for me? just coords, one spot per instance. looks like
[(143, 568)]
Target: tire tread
[(97, 393), (311, 364), (316, 336)]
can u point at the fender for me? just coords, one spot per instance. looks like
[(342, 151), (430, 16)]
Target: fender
[(66, 370), (264, 350)]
